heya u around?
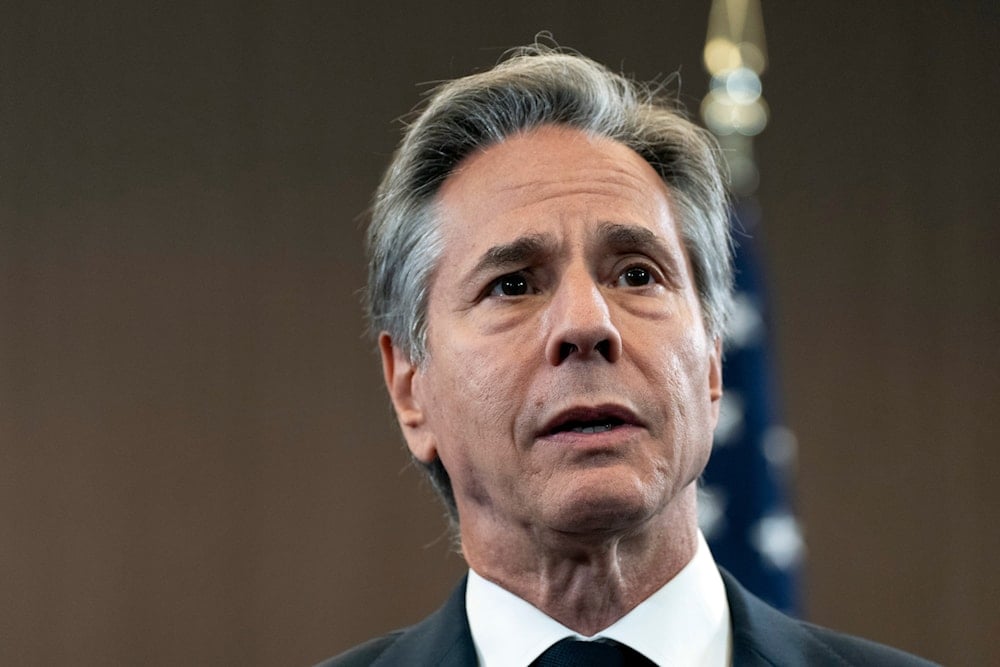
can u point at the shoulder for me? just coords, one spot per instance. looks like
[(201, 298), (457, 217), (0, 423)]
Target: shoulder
[(363, 654), (443, 639), (763, 636), (851, 650)]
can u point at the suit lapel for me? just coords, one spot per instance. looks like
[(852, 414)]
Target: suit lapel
[(763, 636), (443, 639)]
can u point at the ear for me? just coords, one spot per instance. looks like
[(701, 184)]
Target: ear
[(715, 377), (402, 380)]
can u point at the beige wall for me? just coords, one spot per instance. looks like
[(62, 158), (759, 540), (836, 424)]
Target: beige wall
[(197, 463)]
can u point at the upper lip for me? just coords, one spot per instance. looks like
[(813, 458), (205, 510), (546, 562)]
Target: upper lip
[(596, 414)]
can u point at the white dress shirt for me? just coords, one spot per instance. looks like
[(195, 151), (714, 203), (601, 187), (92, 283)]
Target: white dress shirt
[(684, 623)]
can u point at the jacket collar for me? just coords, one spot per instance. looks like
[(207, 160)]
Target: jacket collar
[(442, 639), (762, 636)]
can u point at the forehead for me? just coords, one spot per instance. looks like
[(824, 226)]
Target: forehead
[(549, 180)]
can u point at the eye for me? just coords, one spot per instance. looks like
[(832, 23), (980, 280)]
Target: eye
[(635, 276), (512, 284)]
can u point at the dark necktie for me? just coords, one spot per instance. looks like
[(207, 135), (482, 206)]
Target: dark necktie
[(579, 653)]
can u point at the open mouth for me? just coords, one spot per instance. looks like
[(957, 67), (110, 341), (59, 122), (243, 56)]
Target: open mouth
[(590, 420), (599, 426)]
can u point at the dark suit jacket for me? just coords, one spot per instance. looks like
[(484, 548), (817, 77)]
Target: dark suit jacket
[(761, 636)]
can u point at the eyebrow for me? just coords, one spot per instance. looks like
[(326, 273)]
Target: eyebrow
[(620, 236), (524, 250)]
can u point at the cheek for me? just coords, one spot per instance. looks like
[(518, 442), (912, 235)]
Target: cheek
[(695, 400), (471, 412), (474, 401), (682, 380)]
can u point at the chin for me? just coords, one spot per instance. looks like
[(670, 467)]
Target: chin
[(610, 507)]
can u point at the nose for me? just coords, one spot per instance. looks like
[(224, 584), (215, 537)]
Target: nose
[(580, 325)]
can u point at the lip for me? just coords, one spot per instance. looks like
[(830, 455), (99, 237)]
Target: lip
[(624, 417)]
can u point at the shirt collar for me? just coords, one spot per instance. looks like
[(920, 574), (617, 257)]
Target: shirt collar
[(686, 622)]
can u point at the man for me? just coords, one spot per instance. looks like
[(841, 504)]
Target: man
[(550, 275)]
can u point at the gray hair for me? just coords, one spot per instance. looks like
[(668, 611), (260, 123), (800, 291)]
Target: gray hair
[(533, 86)]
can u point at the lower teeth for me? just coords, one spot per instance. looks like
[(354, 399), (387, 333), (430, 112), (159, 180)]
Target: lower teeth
[(593, 429)]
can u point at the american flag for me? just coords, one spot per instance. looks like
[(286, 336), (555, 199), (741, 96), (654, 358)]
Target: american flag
[(744, 506)]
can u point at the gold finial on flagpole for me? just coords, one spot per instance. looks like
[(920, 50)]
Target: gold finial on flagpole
[(734, 108), (735, 37)]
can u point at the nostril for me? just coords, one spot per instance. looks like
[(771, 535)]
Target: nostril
[(605, 348), (566, 349)]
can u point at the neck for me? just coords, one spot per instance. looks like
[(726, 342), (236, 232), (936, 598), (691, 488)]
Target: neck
[(587, 582)]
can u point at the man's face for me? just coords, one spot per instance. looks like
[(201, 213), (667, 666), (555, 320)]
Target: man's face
[(569, 383)]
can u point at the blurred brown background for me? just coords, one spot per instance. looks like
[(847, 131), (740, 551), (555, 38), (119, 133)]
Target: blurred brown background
[(197, 461)]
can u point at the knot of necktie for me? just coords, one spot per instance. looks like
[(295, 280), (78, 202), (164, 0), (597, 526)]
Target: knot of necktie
[(580, 653)]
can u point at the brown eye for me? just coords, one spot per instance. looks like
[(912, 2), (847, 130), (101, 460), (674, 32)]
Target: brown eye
[(513, 284), (637, 277)]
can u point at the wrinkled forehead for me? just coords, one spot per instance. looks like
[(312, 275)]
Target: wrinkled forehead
[(548, 180)]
